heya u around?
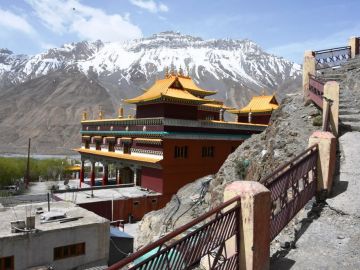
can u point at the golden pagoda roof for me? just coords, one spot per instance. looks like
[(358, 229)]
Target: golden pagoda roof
[(173, 87), (189, 85), (259, 104)]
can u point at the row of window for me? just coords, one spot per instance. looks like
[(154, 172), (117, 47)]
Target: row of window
[(182, 151), (208, 151)]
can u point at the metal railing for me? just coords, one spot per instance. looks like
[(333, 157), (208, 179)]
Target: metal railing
[(316, 90), (202, 239), (292, 185), (332, 57)]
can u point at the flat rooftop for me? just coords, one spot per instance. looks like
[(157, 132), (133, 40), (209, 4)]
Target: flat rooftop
[(20, 212), (97, 195)]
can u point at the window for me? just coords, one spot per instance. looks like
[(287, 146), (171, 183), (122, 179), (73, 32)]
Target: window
[(181, 152), (7, 263), (208, 151), (69, 251)]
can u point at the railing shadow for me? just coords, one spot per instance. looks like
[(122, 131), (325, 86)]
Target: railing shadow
[(278, 260)]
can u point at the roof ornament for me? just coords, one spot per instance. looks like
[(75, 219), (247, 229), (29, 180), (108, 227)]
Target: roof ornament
[(188, 71), (166, 72), (121, 112), (101, 113), (181, 72), (84, 115), (172, 69)]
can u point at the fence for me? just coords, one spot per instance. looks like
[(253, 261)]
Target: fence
[(202, 239), (316, 90), (292, 186), (332, 57)]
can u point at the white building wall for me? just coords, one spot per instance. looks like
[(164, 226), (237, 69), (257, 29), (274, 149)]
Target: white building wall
[(37, 249)]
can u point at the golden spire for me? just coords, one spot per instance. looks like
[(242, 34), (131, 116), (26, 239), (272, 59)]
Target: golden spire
[(101, 113), (172, 71), (181, 72), (121, 112), (84, 116), (188, 71), (166, 72)]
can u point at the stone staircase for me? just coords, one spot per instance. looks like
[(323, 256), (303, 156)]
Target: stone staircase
[(349, 108)]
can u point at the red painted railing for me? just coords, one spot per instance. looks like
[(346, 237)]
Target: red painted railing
[(316, 90), (292, 185), (204, 237)]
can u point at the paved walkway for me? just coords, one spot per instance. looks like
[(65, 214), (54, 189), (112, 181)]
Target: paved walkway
[(332, 241)]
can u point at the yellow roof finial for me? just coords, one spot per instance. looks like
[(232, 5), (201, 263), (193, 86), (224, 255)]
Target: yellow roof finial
[(188, 71), (172, 70), (121, 112), (101, 113), (84, 115), (181, 73)]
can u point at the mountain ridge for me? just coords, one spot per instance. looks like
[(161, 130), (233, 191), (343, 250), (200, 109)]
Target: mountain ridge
[(237, 69)]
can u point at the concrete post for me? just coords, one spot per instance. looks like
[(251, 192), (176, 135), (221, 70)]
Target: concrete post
[(326, 160), (332, 91), (92, 177), (254, 223), (82, 172), (309, 67), (354, 44)]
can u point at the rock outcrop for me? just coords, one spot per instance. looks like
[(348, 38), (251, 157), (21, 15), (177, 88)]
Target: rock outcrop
[(287, 136)]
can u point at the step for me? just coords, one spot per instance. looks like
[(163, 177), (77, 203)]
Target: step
[(350, 118), (352, 126), (349, 112)]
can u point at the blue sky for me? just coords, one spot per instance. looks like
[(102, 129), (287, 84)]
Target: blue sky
[(283, 27)]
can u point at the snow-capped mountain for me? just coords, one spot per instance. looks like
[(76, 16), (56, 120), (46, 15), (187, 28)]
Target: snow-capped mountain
[(237, 69), (228, 66)]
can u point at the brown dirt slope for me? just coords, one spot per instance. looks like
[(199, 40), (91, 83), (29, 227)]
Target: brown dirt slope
[(48, 109)]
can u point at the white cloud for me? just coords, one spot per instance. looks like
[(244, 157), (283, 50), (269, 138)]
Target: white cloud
[(295, 50), (150, 5), (15, 22), (70, 16)]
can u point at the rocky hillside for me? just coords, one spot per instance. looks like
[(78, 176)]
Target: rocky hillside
[(110, 72), (51, 114), (287, 136)]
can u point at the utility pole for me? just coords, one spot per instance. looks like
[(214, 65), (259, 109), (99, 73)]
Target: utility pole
[(27, 173)]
